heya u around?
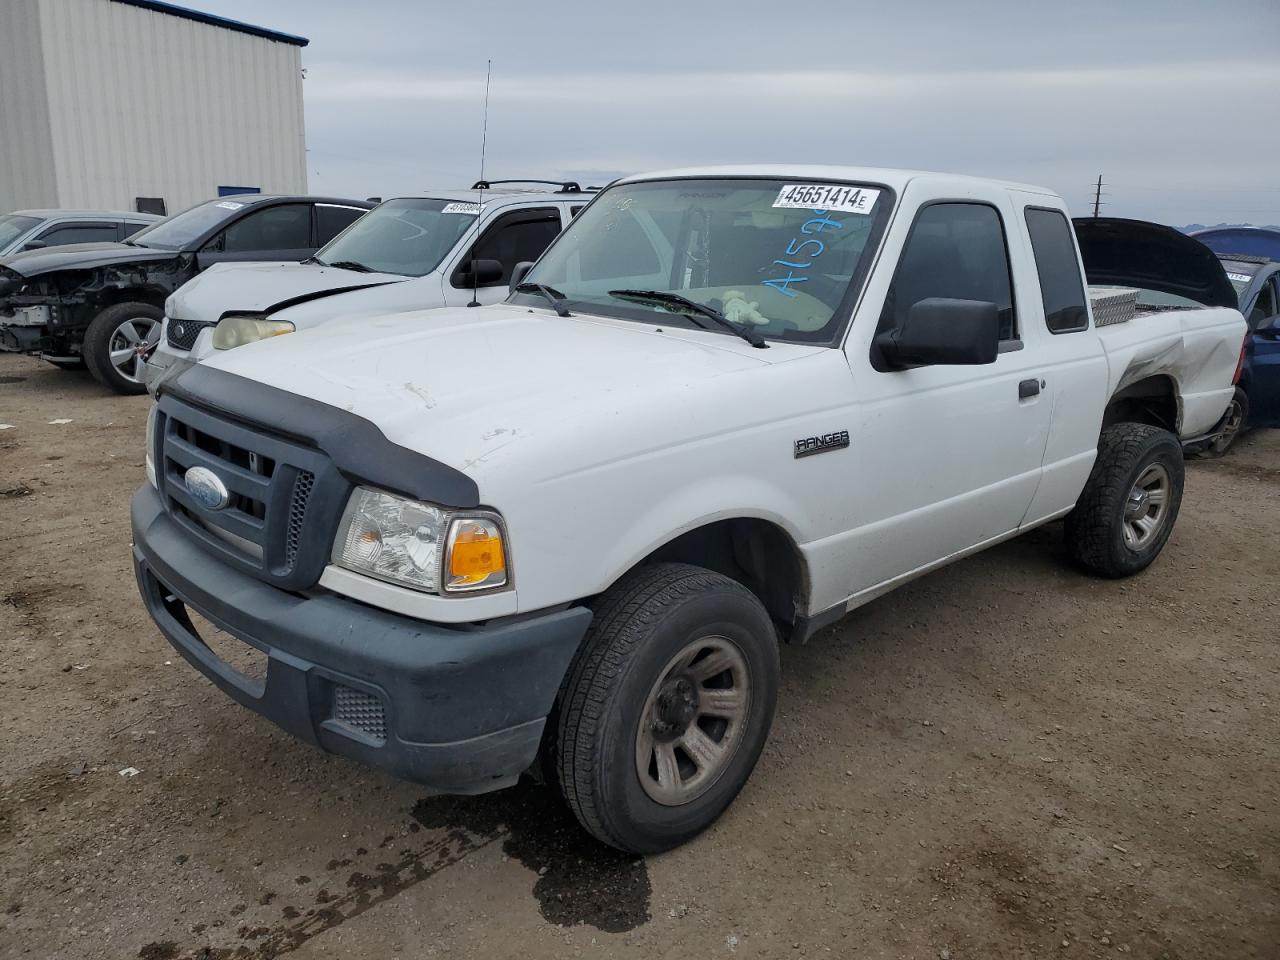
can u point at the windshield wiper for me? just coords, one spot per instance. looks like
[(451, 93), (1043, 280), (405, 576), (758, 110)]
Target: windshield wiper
[(552, 295), (674, 299), (348, 265)]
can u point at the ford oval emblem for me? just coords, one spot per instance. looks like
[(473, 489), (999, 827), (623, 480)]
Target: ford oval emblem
[(207, 489)]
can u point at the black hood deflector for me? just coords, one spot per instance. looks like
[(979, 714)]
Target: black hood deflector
[(1151, 256)]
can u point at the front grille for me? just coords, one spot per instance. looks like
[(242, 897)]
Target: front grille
[(283, 499), (297, 513), (182, 334), (360, 711)]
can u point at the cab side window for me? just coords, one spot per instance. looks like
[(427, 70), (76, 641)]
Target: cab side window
[(332, 219), (511, 239), (283, 227), (79, 233), (957, 251), (1061, 288), (1264, 306)]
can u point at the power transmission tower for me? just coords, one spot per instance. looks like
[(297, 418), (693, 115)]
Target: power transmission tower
[(1097, 196)]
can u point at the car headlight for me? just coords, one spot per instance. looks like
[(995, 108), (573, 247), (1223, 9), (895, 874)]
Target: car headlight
[(421, 545), (151, 444), (237, 331)]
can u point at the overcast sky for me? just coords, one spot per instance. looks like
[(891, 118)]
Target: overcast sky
[(1172, 101)]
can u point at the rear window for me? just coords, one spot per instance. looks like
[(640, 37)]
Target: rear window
[(1061, 288)]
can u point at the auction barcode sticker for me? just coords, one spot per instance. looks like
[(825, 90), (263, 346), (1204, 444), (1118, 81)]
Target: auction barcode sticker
[(1240, 277), (471, 208), (229, 205), (827, 196)]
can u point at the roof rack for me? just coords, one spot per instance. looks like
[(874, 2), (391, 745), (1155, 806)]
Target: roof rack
[(566, 186)]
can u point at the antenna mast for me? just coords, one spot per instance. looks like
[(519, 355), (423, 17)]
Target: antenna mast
[(1097, 193), (484, 139)]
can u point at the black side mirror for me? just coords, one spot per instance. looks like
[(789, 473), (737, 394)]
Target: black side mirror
[(943, 331), (481, 272), (34, 245), (519, 273)]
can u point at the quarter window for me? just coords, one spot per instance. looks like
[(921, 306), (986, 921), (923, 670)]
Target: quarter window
[(956, 251), (1061, 288)]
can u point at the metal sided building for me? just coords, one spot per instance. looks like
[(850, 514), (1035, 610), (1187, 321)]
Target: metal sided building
[(141, 105)]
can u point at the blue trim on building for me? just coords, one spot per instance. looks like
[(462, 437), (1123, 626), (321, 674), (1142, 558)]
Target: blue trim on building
[(201, 17)]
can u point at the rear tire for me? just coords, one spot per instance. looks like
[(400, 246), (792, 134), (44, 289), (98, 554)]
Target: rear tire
[(679, 670), (1233, 424), (117, 343), (1130, 501)]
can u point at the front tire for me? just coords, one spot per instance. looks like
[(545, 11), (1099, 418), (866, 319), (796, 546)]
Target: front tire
[(69, 365), (666, 707), (118, 342), (1130, 501)]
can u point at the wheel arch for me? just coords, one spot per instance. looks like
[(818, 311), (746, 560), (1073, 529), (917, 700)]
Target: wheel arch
[(752, 547), (1155, 400)]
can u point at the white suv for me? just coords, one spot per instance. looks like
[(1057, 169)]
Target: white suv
[(450, 249)]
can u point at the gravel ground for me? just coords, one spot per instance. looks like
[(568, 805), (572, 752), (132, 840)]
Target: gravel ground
[(1003, 759)]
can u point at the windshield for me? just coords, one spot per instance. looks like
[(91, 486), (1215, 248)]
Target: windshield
[(409, 236), (183, 229), (781, 256), (13, 226), (1240, 274)]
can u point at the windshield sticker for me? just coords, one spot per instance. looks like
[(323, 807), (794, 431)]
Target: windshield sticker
[(1239, 278), (825, 196), (800, 248), (230, 205), (471, 208)]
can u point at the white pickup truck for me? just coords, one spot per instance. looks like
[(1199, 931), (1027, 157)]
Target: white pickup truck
[(566, 534), (450, 249)]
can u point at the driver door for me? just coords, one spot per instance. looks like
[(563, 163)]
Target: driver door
[(509, 239), (952, 455)]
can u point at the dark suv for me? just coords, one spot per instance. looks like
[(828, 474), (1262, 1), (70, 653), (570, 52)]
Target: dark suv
[(101, 304)]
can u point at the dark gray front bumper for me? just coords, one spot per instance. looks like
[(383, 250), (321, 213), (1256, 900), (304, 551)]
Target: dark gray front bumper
[(460, 710)]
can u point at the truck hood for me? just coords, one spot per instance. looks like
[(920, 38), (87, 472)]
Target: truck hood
[(82, 256), (265, 288), (473, 388), (1151, 256)]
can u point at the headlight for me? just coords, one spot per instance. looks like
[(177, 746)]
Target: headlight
[(237, 331), (403, 541), (151, 444)]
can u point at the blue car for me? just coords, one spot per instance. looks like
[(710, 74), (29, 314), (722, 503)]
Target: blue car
[(1257, 393)]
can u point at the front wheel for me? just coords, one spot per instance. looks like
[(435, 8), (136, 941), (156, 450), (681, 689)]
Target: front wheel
[(666, 707), (119, 341), (1130, 501)]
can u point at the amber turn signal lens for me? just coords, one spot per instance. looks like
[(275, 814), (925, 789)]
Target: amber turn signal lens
[(477, 557)]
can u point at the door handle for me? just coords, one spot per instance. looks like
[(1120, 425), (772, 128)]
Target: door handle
[(1029, 388)]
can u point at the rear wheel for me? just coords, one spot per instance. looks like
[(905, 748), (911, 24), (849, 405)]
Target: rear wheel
[(1130, 501), (1231, 427), (118, 343), (666, 707)]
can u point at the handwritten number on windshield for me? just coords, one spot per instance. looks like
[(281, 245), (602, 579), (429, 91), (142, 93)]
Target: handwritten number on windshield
[(796, 248)]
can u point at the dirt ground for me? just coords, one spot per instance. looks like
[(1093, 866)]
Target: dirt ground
[(1003, 759)]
